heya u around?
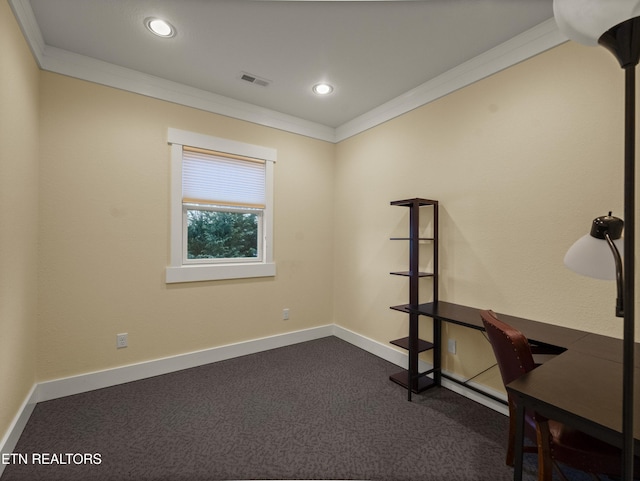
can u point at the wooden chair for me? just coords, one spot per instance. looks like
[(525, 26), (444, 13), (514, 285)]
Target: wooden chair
[(555, 442)]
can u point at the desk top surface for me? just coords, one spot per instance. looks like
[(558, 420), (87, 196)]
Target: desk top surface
[(604, 347), (535, 331), (584, 381), (582, 384)]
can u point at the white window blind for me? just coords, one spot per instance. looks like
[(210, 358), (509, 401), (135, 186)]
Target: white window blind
[(216, 178)]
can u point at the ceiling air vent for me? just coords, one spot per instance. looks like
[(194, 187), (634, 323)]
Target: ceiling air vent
[(253, 79)]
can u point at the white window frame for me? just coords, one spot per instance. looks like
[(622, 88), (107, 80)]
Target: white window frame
[(180, 270)]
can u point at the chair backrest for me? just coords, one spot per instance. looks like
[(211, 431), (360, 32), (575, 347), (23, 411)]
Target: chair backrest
[(510, 347)]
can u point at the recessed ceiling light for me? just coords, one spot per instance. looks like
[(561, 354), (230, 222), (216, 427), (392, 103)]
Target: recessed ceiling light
[(322, 89), (160, 27)]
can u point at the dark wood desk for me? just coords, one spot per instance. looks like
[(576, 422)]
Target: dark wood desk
[(536, 332), (582, 387), (545, 338)]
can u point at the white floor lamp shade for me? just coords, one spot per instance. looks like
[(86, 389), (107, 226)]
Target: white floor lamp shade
[(585, 21)]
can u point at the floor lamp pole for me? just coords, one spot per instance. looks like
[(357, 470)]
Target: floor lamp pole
[(629, 275), (623, 41)]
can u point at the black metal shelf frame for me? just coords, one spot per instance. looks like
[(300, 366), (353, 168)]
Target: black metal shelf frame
[(412, 379)]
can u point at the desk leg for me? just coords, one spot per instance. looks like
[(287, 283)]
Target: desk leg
[(519, 442)]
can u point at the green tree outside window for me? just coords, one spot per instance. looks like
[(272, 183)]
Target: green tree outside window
[(221, 235)]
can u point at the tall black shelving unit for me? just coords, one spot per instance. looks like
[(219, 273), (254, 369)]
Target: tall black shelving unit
[(413, 380)]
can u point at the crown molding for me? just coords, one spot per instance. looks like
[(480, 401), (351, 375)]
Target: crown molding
[(97, 71), (27, 21), (85, 68), (528, 44)]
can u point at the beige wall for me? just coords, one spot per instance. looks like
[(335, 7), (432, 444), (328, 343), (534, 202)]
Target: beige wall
[(105, 230), (18, 217), (521, 163)]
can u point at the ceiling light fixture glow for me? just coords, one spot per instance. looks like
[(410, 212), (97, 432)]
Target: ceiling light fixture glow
[(160, 27), (322, 89)]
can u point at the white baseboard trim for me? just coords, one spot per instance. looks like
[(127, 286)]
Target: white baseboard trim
[(376, 348), (399, 358), (57, 388), (10, 439), (476, 396)]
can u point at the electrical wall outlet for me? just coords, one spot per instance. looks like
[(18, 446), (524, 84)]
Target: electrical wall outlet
[(121, 340), (285, 314), (451, 346)]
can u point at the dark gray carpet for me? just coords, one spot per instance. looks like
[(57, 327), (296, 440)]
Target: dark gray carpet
[(318, 410)]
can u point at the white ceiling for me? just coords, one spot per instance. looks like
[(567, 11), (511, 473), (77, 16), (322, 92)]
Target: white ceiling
[(371, 51)]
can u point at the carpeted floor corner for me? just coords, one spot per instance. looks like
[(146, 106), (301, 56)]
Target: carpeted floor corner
[(322, 409)]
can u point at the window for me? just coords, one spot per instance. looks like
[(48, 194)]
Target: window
[(221, 208)]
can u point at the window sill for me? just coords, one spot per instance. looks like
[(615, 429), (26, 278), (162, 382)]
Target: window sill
[(198, 273)]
